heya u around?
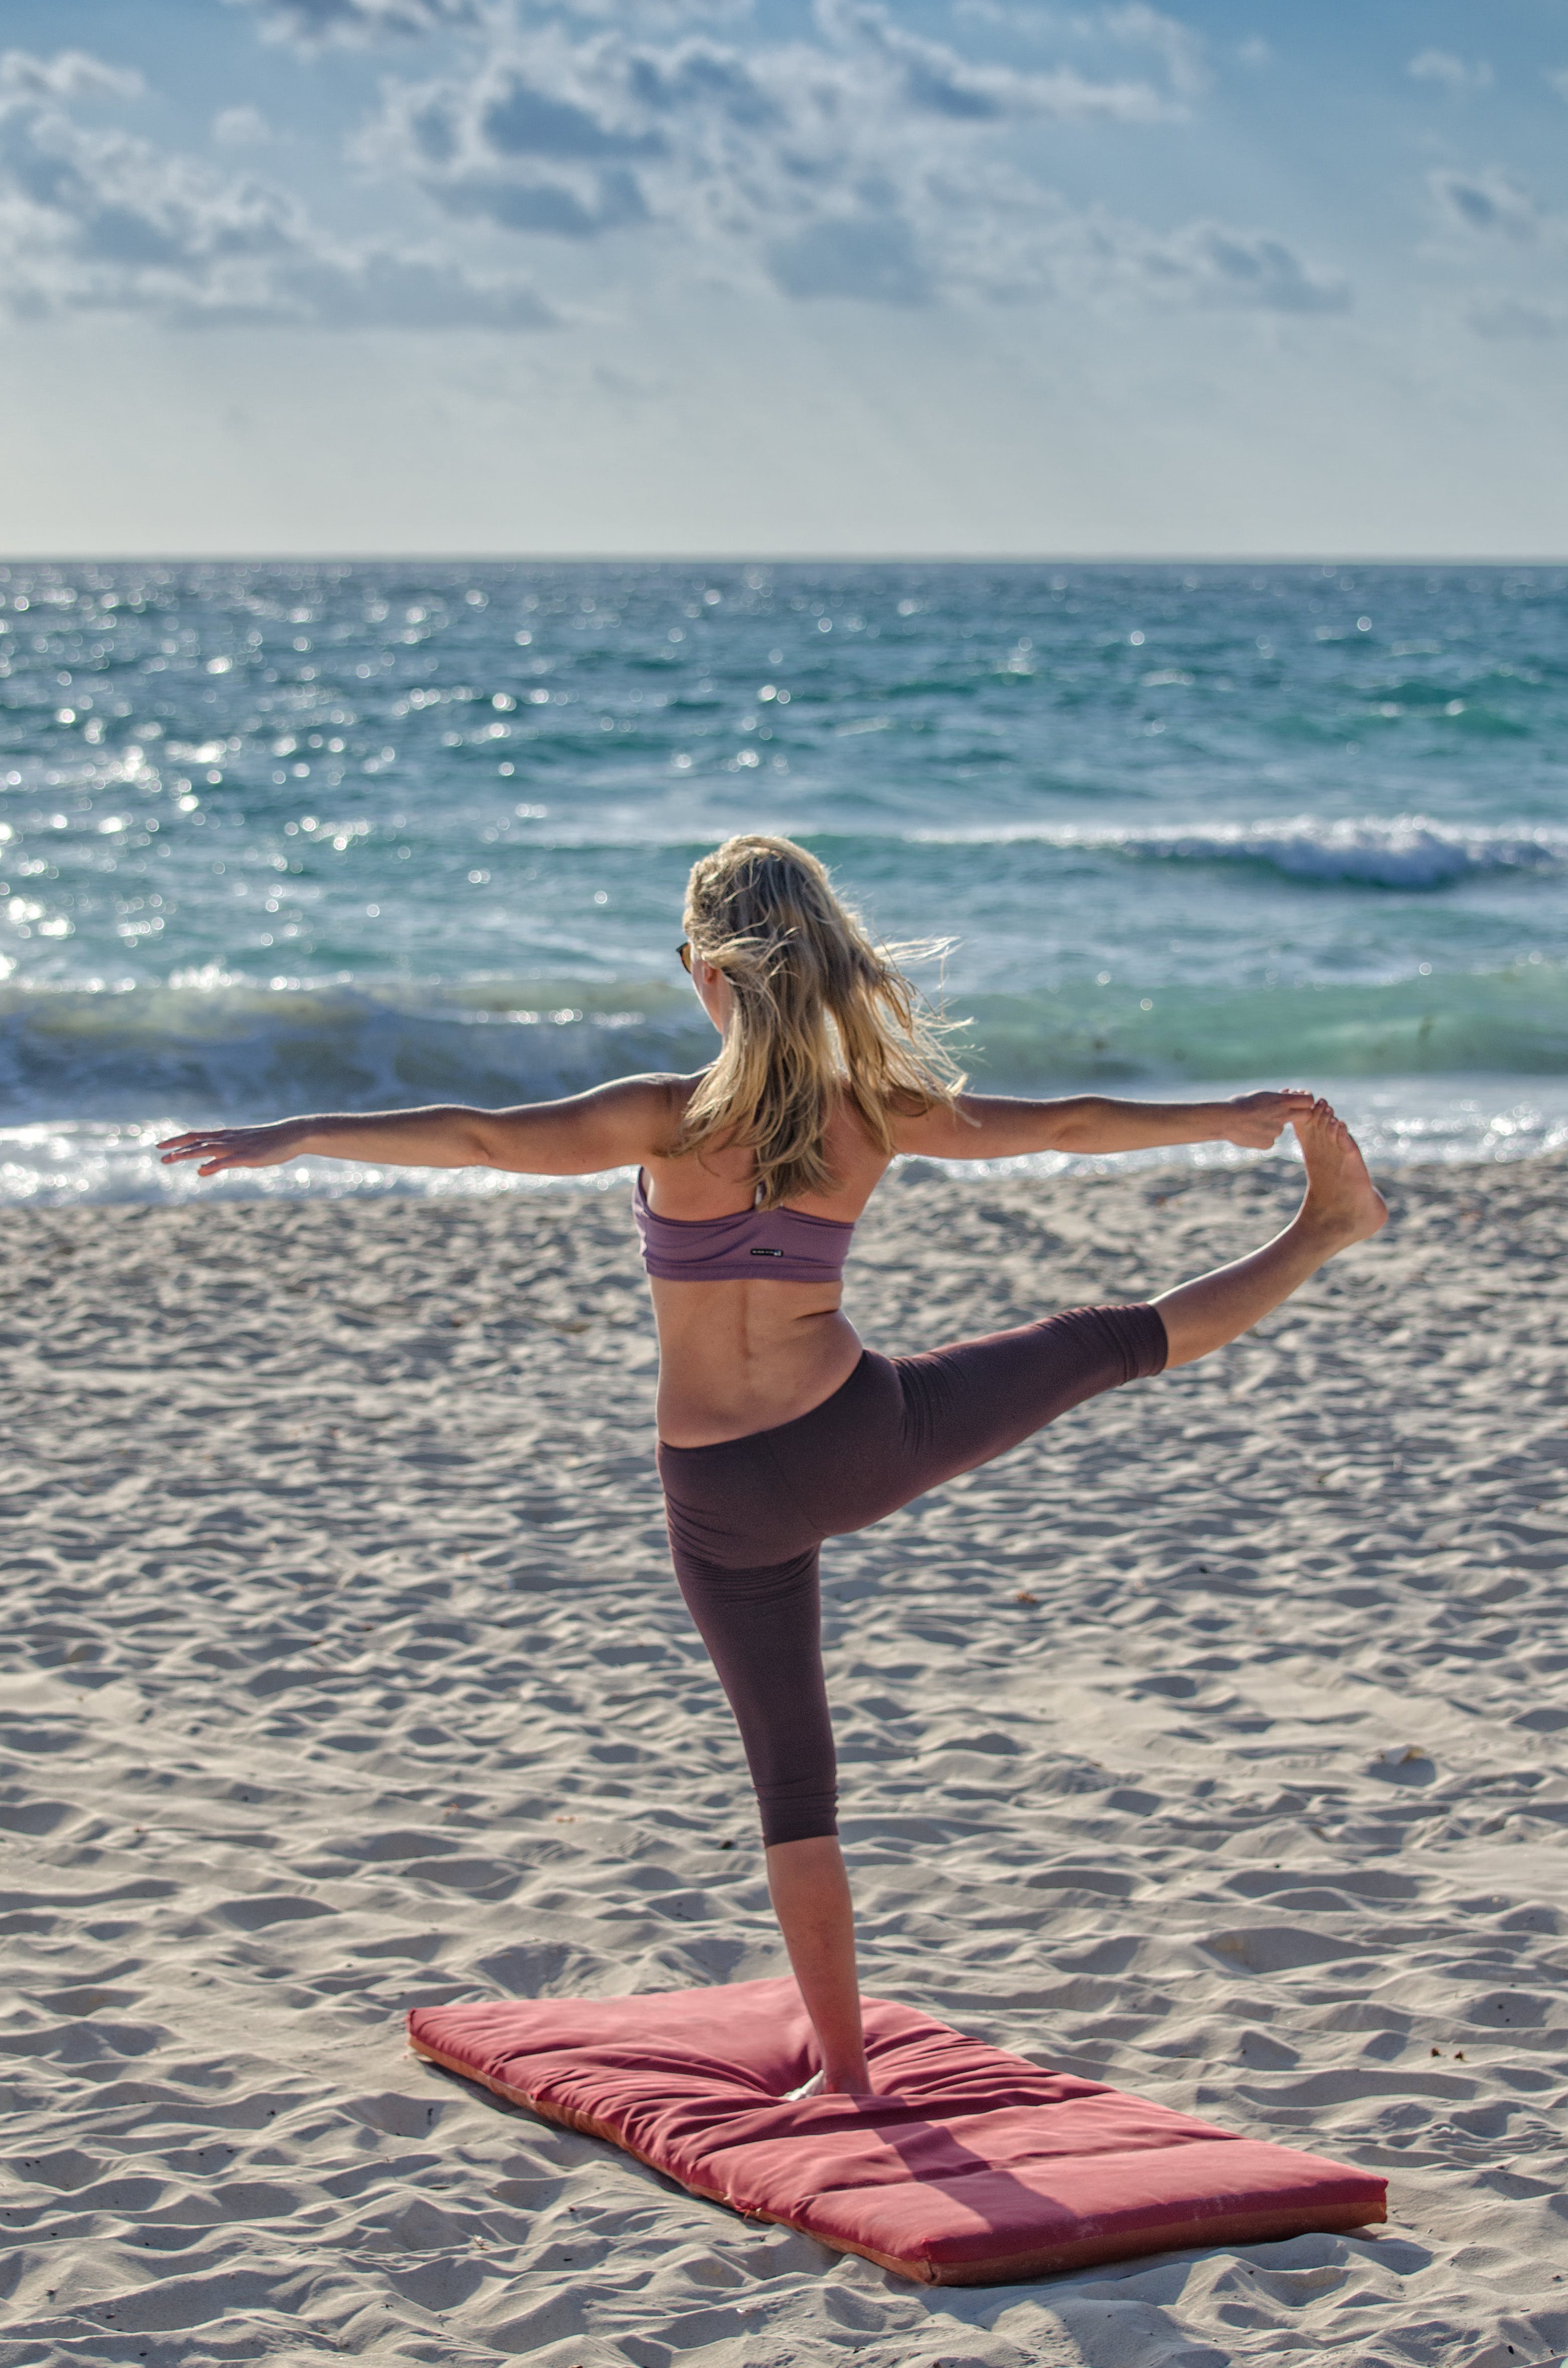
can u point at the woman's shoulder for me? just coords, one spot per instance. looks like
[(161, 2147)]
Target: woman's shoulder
[(657, 1098), (666, 1095)]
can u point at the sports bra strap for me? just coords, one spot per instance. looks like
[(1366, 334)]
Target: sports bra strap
[(753, 1246)]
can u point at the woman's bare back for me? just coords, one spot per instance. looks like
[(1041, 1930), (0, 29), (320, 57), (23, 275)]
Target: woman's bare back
[(740, 1357)]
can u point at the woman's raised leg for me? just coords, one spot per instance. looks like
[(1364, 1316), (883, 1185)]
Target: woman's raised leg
[(1342, 1205)]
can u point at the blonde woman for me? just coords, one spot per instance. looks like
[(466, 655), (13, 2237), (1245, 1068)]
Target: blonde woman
[(777, 1428)]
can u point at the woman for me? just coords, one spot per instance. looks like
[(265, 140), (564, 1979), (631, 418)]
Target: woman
[(776, 1429)]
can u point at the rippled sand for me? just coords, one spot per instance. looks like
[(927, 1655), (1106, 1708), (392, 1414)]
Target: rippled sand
[(1212, 1744)]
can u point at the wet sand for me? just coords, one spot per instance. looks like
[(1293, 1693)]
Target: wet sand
[(1212, 1744)]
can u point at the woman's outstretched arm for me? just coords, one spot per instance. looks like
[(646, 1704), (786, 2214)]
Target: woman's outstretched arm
[(997, 1126), (612, 1126)]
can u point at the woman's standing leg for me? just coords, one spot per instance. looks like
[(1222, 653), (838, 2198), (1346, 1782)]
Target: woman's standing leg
[(810, 1890), (763, 1630)]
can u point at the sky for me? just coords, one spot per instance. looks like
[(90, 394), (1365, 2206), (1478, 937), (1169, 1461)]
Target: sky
[(784, 278)]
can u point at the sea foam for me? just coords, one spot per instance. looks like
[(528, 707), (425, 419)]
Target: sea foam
[(1406, 851)]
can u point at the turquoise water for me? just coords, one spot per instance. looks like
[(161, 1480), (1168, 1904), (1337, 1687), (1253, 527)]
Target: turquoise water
[(285, 836)]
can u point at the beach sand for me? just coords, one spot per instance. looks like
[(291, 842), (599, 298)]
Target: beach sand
[(1212, 1744)]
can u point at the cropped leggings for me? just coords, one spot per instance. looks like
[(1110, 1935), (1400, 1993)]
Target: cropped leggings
[(747, 1517)]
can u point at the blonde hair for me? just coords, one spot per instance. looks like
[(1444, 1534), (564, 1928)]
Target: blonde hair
[(820, 1012)]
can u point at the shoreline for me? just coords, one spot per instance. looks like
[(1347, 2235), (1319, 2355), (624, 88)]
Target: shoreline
[(1455, 1122), (1209, 1743)]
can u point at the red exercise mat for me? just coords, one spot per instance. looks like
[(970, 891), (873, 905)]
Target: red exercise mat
[(974, 2168)]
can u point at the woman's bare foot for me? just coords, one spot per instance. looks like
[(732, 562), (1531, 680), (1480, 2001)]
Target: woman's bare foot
[(817, 2087), (1342, 1203)]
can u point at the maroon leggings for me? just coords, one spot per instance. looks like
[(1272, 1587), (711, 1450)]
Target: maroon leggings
[(747, 1517)]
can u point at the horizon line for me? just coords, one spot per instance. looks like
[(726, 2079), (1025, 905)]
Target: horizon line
[(765, 559)]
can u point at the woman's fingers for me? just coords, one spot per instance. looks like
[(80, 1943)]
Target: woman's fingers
[(218, 1147), (1261, 1118), (190, 1147), (1273, 1106)]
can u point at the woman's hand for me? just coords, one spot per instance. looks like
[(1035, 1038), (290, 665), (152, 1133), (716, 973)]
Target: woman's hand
[(218, 1147), (1257, 1120)]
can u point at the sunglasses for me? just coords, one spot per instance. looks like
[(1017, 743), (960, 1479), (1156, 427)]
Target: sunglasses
[(684, 950)]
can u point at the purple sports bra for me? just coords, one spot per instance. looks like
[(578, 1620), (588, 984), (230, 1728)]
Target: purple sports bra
[(754, 1245)]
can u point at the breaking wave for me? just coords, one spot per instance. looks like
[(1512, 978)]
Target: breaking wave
[(1409, 853)]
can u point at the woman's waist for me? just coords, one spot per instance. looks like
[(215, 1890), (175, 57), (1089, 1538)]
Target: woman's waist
[(723, 1382), (777, 1490)]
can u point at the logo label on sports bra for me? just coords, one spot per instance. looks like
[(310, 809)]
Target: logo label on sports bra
[(765, 1252)]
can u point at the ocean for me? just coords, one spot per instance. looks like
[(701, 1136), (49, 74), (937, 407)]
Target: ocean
[(286, 837)]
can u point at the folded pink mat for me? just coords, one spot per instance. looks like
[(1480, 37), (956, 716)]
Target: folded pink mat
[(973, 2169)]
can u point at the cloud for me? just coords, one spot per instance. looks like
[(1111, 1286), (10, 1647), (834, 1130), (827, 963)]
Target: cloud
[(241, 127), (70, 73), (98, 220), (857, 160), (933, 79), (1487, 203), (1558, 77), (1208, 263), (1181, 49), (314, 22), (870, 163), (868, 255), (379, 287), (1510, 246), (1441, 66)]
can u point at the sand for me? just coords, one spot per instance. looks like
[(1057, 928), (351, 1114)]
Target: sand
[(1212, 1744)]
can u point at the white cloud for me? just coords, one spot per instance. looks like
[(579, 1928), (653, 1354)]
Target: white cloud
[(1180, 47), (1209, 263), (1133, 25), (1178, 44), (1453, 73), (100, 220), (1488, 203), (860, 160), (1509, 246), (241, 127), (870, 163), (1558, 77), (70, 73), (314, 22), (932, 79)]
